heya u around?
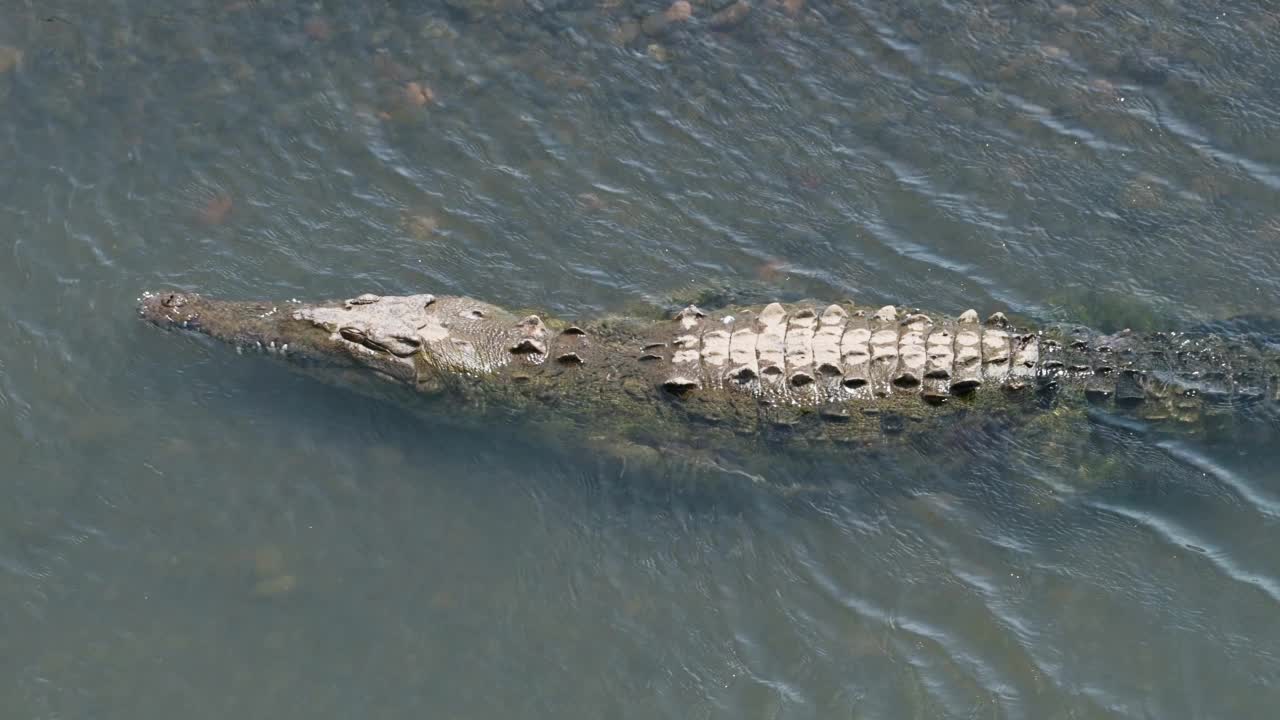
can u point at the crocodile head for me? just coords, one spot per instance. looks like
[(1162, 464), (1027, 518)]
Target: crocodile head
[(415, 339)]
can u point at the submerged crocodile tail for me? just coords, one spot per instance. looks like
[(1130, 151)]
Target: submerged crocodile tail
[(1179, 378)]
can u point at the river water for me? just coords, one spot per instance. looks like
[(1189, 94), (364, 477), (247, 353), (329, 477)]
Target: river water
[(188, 533)]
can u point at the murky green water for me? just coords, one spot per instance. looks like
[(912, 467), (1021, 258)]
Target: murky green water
[(190, 533)]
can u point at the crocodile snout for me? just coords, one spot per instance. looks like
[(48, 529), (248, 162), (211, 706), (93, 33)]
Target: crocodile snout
[(173, 300), (167, 308)]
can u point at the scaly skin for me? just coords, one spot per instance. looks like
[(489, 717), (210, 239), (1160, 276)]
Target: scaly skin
[(726, 382)]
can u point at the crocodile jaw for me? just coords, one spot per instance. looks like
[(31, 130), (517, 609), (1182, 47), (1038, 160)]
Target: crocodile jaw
[(414, 339), (266, 327), (241, 324)]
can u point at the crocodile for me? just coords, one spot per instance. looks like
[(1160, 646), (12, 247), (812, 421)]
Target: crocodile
[(728, 379)]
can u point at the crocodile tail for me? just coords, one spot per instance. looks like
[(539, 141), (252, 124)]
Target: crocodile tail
[(1189, 381)]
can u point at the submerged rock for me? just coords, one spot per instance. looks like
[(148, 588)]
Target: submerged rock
[(216, 209), (419, 225), (271, 576), (657, 52), (478, 9), (660, 22), (730, 16), (317, 28), (626, 33), (275, 587), (10, 58), (418, 95), (793, 8)]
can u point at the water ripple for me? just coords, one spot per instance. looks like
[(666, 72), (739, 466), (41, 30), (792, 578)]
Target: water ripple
[(1256, 497), (1174, 534)]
